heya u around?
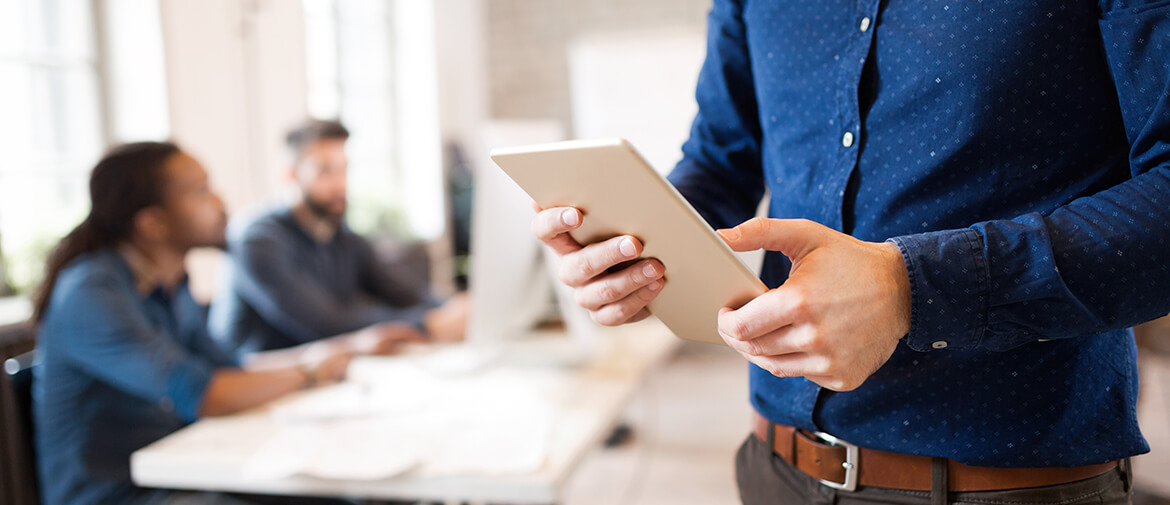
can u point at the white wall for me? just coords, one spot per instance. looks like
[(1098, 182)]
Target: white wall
[(460, 39), (236, 80), (639, 86), (461, 55), (529, 41), (135, 71)]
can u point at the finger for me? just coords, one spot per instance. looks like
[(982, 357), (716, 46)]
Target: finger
[(612, 287), (794, 365), (336, 368), (763, 314), (579, 267), (407, 333), (552, 226), (793, 237), (786, 340), (840, 384), (642, 314), (344, 366), (337, 374), (386, 348), (624, 310)]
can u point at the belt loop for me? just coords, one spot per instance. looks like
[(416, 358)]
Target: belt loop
[(938, 481), (1127, 474)]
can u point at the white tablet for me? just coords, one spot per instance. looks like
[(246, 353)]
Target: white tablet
[(618, 193)]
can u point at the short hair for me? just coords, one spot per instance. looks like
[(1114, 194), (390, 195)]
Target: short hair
[(311, 131)]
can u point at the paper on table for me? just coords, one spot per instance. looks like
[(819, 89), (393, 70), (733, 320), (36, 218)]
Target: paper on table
[(457, 360), (491, 423), (346, 401), (368, 449), (376, 386), (284, 454), (365, 449), (515, 442)]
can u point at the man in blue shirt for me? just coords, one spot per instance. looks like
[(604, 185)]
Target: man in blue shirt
[(298, 274), (125, 357), (970, 206)]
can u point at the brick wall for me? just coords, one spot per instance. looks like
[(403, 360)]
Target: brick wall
[(528, 42)]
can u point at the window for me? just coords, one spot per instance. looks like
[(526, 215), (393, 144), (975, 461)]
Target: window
[(64, 97), (370, 63), (52, 128)]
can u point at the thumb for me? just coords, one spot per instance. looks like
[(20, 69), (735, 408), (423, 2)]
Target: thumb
[(793, 237)]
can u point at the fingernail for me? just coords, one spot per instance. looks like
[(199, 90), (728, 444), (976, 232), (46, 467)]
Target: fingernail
[(569, 217), (649, 270), (626, 246), (729, 234), (655, 286)]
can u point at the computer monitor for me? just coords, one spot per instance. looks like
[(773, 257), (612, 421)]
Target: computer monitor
[(513, 287)]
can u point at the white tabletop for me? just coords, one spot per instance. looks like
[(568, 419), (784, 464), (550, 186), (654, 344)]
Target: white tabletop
[(214, 453)]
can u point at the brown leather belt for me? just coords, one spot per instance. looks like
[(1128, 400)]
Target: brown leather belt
[(831, 462)]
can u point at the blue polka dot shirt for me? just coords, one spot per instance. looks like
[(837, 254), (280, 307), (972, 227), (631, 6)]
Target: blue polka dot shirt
[(1018, 153)]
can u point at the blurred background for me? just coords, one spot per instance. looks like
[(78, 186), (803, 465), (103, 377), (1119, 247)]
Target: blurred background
[(419, 83), (427, 87)]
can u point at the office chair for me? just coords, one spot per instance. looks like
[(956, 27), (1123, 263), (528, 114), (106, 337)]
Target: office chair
[(18, 471)]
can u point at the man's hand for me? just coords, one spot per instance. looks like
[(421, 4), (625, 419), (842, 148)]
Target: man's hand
[(839, 316), (612, 297), (384, 339), (447, 323), (329, 369)]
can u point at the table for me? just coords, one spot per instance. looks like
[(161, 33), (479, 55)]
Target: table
[(212, 453)]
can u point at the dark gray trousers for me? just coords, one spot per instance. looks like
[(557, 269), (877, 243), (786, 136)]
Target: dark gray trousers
[(766, 479)]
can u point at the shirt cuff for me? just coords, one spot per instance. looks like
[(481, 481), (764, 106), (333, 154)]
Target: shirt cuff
[(949, 289), (186, 386)]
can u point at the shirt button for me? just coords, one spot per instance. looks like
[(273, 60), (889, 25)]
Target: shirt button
[(864, 24), (941, 344), (847, 140)]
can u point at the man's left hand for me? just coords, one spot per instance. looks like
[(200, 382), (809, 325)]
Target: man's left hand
[(385, 339), (838, 317)]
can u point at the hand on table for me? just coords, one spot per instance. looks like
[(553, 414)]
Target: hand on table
[(327, 368), (613, 297), (447, 323), (838, 317), (384, 338)]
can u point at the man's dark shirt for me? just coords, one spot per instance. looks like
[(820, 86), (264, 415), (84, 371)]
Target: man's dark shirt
[(285, 288)]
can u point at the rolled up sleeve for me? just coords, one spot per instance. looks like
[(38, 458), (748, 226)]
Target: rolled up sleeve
[(103, 332)]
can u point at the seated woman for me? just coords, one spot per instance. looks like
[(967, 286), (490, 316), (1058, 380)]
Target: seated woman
[(125, 357)]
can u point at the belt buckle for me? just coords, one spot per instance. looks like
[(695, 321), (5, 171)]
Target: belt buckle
[(852, 458)]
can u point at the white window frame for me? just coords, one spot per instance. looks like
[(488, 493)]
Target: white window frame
[(413, 186), (113, 85)]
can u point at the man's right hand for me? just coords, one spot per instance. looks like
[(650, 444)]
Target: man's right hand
[(384, 339), (447, 323), (329, 369), (612, 297)]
